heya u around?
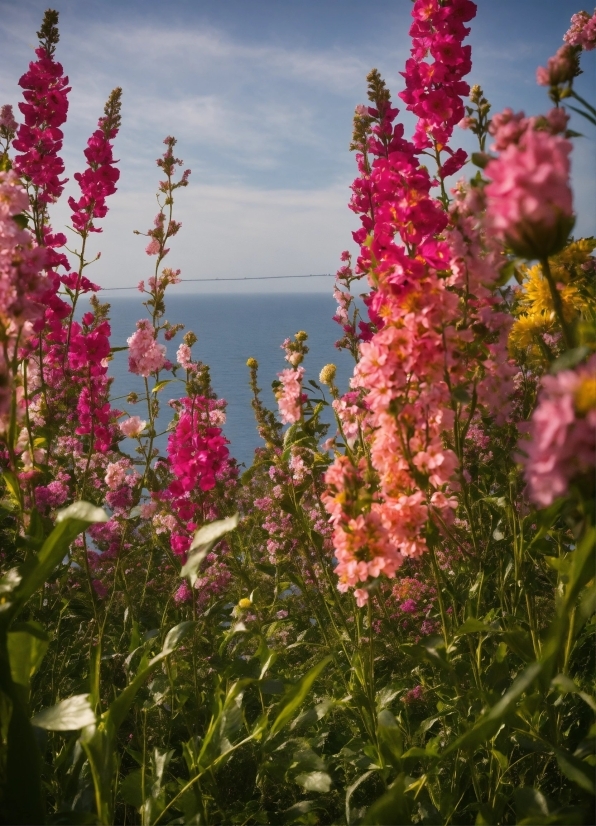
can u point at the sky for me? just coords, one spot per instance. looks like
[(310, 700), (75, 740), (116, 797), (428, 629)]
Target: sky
[(260, 95)]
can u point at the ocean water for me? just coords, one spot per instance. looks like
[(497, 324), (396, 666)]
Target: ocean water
[(230, 329)]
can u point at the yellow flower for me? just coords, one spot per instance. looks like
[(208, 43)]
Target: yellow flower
[(527, 327), (245, 603), (585, 395)]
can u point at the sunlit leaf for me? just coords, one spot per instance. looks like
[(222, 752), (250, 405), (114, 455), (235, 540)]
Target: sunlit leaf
[(68, 715)]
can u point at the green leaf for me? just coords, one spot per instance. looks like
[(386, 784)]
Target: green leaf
[(314, 781), (130, 789), (204, 540), (69, 715), (69, 523), (350, 791), (565, 685), (393, 807), (569, 359), (474, 626), (160, 385), (296, 696), (27, 644), (390, 736), (297, 810), (576, 770)]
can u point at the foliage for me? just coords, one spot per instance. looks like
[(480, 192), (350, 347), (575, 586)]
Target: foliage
[(390, 624)]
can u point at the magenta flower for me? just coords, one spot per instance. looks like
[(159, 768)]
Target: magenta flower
[(99, 179), (39, 139)]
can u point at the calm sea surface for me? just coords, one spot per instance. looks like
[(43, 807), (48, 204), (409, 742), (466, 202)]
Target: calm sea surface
[(230, 329)]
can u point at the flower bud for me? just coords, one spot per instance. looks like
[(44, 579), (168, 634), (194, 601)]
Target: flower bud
[(252, 363), (327, 374)]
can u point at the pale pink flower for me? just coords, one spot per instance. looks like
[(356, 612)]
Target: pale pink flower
[(116, 474), (184, 357), (289, 397), (133, 427), (152, 247), (145, 355)]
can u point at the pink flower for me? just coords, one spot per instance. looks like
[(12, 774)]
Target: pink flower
[(152, 247), (561, 68), (290, 396), (529, 200), (361, 597), (133, 426), (562, 434), (145, 355), (116, 473), (184, 357), (582, 31)]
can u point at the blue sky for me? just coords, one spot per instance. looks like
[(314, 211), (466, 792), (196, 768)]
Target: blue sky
[(260, 94)]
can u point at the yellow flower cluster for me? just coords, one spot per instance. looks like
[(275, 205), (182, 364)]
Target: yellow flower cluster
[(534, 313)]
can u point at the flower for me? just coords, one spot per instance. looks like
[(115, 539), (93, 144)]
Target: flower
[(290, 396), (529, 200), (582, 31), (327, 374), (562, 434), (133, 426), (145, 355)]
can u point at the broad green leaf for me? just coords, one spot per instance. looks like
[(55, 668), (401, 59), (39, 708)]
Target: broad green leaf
[(69, 715), (296, 696), (390, 736), (297, 810), (314, 781), (27, 645), (204, 540), (350, 791), (565, 685), (530, 805), (175, 636), (14, 488), (214, 530), (83, 512), (130, 789), (393, 807), (576, 770), (69, 523), (474, 626)]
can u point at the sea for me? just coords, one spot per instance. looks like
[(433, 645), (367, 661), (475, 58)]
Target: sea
[(231, 328)]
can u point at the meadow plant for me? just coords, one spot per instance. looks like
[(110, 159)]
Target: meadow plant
[(388, 622)]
